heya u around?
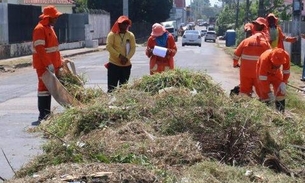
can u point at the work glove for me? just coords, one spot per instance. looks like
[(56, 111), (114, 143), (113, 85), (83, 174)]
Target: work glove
[(149, 52), (282, 88), (271, 97), (236, 65), (167, 52), (51, 68)]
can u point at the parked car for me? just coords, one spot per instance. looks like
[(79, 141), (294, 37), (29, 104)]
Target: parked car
[(191, 37), (211, 35), (203, 32), (211, 28)]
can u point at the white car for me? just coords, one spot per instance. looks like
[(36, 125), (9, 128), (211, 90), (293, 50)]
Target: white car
[(191, 37), (210, 35), (203, 32)]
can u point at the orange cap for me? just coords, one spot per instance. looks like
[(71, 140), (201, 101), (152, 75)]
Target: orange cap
[(157, 30), (115, 28), (279, 56), (248, 26), (271, 15), (260, 21), (50, 11), (123, 18)]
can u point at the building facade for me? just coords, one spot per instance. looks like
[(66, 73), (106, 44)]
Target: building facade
[(179, 3), (64, 6)]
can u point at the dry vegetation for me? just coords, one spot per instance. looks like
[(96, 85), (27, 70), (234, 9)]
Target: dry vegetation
[(176, 126)]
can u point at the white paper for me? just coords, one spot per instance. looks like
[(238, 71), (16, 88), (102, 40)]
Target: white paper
[(127, 47), (160, 51)]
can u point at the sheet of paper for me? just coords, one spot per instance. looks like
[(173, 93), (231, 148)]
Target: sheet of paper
[(160, 51)]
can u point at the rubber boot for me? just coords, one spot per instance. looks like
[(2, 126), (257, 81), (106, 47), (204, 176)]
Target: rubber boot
[(280, 105), (44, 107)]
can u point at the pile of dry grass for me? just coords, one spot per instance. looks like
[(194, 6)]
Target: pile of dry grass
[(165, 124)]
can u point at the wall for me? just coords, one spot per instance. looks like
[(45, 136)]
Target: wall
[(287, 29), (3, 24), (101, 26), (70, 30)]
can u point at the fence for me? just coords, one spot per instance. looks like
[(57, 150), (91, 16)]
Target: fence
[(18, 21), (287, 29)]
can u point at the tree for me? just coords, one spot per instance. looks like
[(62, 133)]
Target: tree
[(278, 8), (202, 9), (80, 6), (139, 10), (226, 17)]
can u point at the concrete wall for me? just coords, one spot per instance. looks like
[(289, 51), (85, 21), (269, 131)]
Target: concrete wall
[(287, 29), (100, 24), (3, 24), (93, 32), (22, 49)]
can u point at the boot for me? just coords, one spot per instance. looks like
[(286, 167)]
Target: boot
[(280, 105), (44, 107)]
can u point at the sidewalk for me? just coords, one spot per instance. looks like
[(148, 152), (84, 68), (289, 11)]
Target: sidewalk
[(25, 61)]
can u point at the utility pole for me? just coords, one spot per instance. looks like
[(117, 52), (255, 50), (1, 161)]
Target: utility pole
[(261, 9), (247, 10), (237, 14), (125, 7), (296, 30)]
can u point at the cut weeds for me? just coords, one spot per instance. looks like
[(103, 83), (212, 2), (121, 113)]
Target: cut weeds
[(177, 126)]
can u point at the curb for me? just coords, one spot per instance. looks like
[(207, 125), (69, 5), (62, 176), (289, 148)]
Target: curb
[(81, 53), (10, 66)]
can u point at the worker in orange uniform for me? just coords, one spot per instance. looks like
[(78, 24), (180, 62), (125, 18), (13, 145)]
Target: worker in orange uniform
[(249, 29), (160, 37), (45, 56), (248, 52), (276, 35), (270, 72)]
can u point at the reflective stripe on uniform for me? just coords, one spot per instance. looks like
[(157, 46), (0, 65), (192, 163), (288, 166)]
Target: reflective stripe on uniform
[(52, 49), (48, 50), (262, 78), (286, 71), (43, 93), (249, 57), (235, 57), (39, 42)]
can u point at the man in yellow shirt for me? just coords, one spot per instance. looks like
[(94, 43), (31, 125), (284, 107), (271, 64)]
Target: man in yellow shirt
[(121, 46)]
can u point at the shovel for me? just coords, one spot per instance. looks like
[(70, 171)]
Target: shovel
[(58, 91)]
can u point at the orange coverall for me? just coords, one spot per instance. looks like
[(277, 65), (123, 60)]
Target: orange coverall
[(280, 37), (158, 64), (45, 52), (249, 29), (248, 51), (269, 74)]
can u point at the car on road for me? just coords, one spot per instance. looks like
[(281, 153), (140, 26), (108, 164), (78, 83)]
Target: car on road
[(203, 32), (210, 36), (191, 37), (211, 28)]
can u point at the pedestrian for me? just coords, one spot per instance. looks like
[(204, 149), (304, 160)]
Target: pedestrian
[(249, 29), (248, 52), (273, 68), (276, 35), (161, 37), (46, 55), (121, 45)]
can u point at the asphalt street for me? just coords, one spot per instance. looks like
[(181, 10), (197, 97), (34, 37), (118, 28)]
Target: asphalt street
[(18, 101)]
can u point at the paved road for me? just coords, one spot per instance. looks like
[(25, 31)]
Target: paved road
[(18, 102)]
